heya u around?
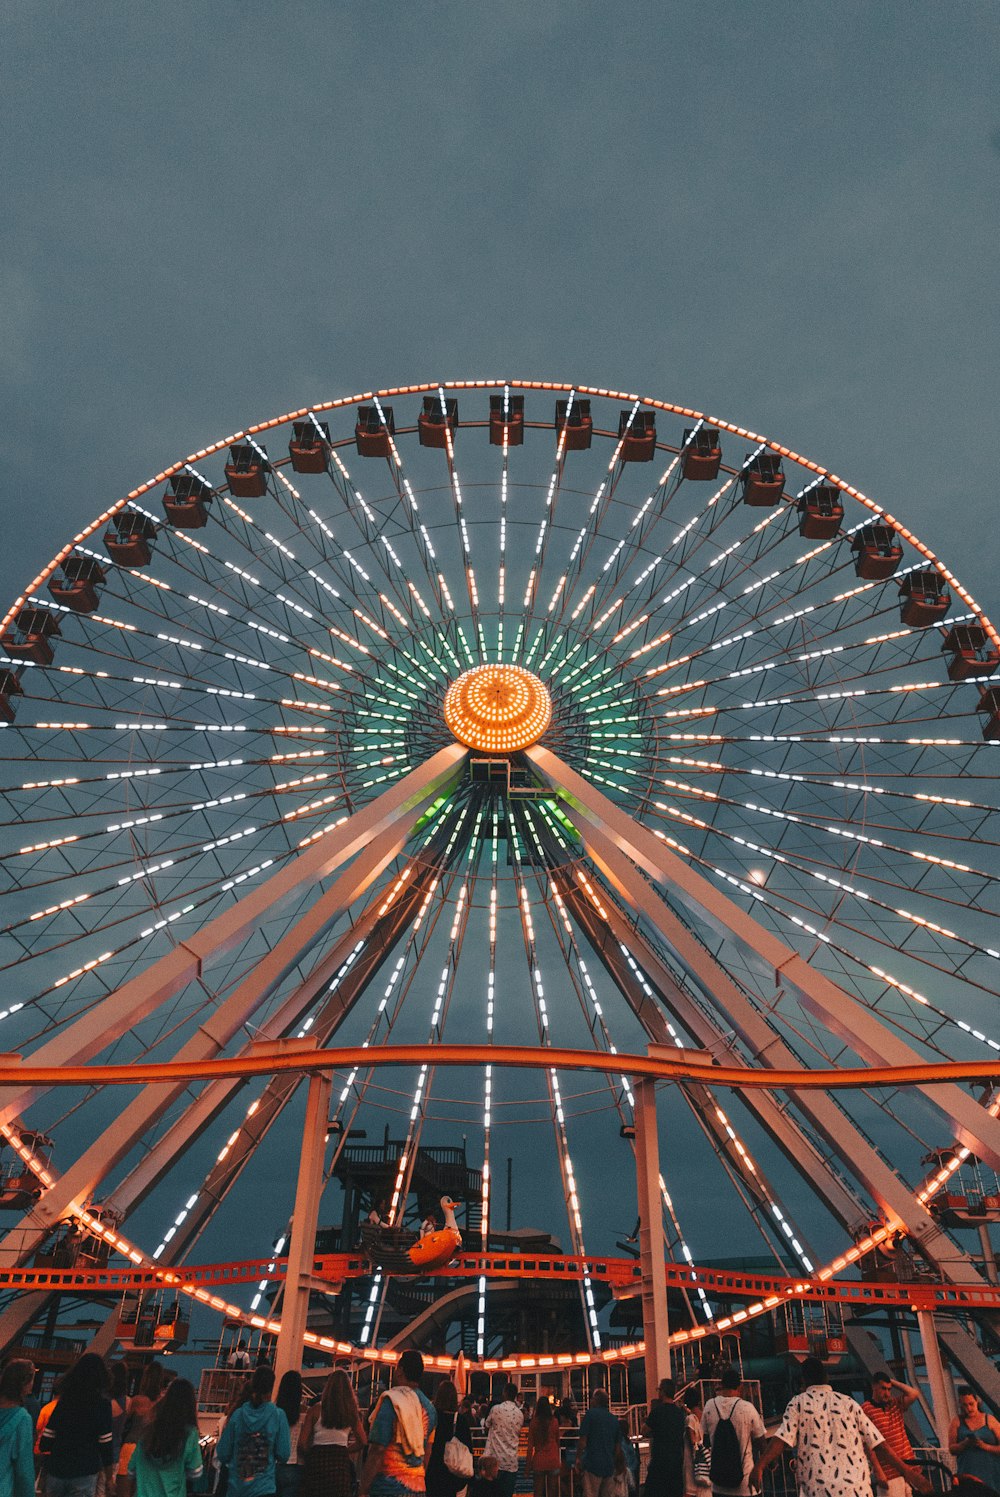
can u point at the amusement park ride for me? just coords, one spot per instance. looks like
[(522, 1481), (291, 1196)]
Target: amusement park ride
[(503, 731)]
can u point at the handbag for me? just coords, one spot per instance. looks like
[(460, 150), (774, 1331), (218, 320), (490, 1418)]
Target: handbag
[(702, 1465), (458, 1458)]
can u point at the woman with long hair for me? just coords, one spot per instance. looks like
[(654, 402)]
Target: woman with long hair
[(255, 1440), (138, 1410), (332, 1434), (544, 1458), (289, 1401), (17, 1463), (450, 1424), (77, 1442), (168, 1454)]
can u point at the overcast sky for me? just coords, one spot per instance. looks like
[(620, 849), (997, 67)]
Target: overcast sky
[(785, 214)]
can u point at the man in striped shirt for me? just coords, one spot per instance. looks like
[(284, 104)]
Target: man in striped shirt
[(885, 1410)]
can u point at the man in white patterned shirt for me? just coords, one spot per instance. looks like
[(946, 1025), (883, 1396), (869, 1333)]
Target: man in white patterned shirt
[(831, 1437), (503, 1437)]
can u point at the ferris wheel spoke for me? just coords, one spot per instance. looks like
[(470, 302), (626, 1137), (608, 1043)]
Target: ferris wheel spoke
[(566, 1169), (622, 1098)]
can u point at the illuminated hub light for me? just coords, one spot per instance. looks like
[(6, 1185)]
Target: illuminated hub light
[(497, 709)]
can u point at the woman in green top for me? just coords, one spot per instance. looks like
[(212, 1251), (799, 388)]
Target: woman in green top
[(168, 1452)]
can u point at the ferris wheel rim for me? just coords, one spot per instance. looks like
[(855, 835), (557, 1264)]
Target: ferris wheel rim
[(548, 386)]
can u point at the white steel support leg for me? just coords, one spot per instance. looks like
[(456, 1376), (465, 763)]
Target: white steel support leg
[(936, 1377), (842, 1014), (655, 1328), (301, 1248)]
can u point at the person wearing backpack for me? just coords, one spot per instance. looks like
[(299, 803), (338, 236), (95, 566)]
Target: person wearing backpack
[(730, 1425)]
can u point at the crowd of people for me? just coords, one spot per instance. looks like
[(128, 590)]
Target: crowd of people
[(93, 1439), (840, 1448)]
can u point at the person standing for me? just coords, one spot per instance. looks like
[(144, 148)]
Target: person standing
[(503, 1438), (168, 1453), (885, 1408), (289, 1400), (543, 1455), (730, 1425), (332, 1433), (77, 1442), (254, 1440), (665, 1426), (598, 1447), (693, 1439), (974, 1437), (399, 1437), (451, 1424), (239, 1358), (139, 1409), (17, 1464), (831, 1437)]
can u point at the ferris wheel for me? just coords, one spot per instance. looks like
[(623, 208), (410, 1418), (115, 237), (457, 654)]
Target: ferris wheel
[(501, 712)]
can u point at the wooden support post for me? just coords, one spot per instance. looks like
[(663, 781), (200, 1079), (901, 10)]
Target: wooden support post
[(654, 1284), (302, 1245)]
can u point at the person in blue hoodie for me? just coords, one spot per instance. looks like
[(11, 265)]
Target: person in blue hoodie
[(254, 1440), (17, 1464)]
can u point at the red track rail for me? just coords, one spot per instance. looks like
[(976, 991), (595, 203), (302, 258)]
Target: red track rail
[(622, 1274)]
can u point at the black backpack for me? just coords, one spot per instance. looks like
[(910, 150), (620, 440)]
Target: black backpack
[(726, 1469)]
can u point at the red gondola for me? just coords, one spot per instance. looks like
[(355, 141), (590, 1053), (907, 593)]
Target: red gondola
[(923, 598), (129, 541), (577, 423), (371, 433), (310, 446), (19, 1184), (506, 416), (970, 652), (77, 587), (186, 501), (247, 470), (762, 481), (989, 703), (434, 423), (638, 436), (702, 453), (10, 686), (821, 512), (31, 637), (877, 552)]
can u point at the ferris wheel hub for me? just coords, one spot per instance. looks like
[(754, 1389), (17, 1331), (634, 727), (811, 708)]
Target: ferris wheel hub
[(497, 709)]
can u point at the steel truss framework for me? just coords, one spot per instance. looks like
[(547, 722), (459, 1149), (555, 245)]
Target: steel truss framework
[(759, 825)]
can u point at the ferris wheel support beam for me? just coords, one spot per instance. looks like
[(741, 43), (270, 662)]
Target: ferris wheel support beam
[(714, 1037), (305, 1218), (379, 931), (833, 1125), (655, 1324), (937, 1381), (397, 807), (832, 1005)]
